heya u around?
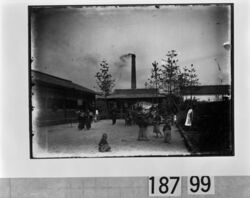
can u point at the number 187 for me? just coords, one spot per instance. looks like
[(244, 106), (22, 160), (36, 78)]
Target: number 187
[(162, 186)]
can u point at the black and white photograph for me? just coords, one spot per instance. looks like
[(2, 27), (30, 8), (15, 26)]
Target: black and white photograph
[(131, 80)]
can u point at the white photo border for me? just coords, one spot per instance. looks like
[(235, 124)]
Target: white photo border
[(15, 146)]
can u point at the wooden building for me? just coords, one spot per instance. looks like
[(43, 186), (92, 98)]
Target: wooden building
[(207, 93), (124, 99), (56, 100)]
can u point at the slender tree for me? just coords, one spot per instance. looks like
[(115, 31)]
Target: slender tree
[(183, 79), (104, 80), (170, 72), (155, 78), (193, 79), (171, 77)]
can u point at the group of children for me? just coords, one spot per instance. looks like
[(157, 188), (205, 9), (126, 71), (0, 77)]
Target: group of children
[(166, 128), (103, 146), (85, 119), (145, 118)]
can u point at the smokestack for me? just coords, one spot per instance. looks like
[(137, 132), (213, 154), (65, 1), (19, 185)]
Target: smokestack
[(133, 72)]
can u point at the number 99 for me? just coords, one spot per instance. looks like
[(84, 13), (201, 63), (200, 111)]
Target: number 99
[(202, 183)]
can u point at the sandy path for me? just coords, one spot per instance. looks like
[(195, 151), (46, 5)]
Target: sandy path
[(68, 141)]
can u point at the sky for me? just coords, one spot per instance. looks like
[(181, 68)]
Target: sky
[(71, 42)]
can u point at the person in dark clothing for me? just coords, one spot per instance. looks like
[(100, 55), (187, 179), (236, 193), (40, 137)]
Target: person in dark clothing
[(167, 132), (88, 120), (128, 119), (156, 125), (81, 120), (78, 117), (103, 144), (142, 124), (113, 113), (91, 115)]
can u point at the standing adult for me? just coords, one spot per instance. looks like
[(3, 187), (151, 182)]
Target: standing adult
[(175, 119), (113, 114), (156, 125), (167, 132), (189, 119), (91, 116), (81, 120), (88, 120), (96, 115), (142, 124), (78, 117)]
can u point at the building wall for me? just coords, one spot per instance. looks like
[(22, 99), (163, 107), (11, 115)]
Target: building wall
[(53, 105), (132, 187), (121, 104), (210, 98)]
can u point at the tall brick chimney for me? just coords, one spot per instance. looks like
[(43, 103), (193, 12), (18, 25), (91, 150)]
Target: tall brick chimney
[(133, 72)]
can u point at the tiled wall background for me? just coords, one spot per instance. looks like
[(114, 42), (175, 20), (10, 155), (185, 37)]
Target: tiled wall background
[(137, 187)]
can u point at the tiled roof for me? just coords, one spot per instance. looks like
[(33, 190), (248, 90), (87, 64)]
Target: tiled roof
[(207, 90), (49, 79), (154, 93), (135, 93)]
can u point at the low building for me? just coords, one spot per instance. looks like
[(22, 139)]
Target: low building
[(206, 92), (55, 100), (124, 99)]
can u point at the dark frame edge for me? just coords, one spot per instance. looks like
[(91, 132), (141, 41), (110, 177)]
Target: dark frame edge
[(232, 80), (30, 84)]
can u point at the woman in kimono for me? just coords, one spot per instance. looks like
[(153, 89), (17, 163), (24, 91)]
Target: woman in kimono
[(189, 119)]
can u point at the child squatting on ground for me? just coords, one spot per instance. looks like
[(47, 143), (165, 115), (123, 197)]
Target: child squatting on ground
[(103, 144)]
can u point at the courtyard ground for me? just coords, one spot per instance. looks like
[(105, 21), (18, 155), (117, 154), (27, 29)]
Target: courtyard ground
[(67, 141)]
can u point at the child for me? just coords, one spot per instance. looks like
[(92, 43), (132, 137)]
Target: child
[(128, 119), (103, 144), (156, 125), (167, 133)]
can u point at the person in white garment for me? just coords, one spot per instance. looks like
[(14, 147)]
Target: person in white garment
[(189, 118), (96, 117), (175, 119)]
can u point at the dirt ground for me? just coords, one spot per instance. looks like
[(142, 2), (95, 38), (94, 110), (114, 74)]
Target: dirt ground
[(67, 141)]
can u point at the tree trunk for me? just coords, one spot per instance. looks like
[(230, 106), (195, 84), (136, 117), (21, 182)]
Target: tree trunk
[(107, 107)]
